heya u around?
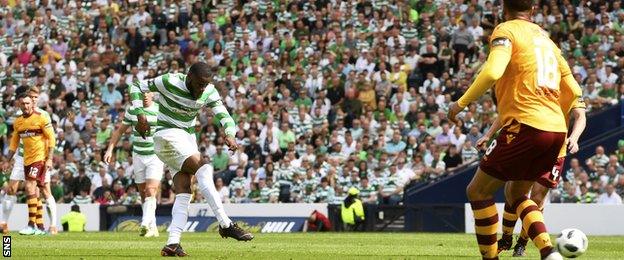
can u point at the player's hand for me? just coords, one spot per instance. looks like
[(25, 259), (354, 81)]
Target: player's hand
[(482, 141), (107, 156), (49, 164), (142, 126), (573, 146), (5, 166), (231, 143), (453, 110)]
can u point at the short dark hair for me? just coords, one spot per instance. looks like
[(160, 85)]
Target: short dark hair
[(22, 95), (201, 69), (518, 5), (75, 208)]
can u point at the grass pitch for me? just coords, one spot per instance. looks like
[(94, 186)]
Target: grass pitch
[(209, 245)]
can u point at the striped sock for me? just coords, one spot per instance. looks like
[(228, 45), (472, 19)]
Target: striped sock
[(486, 226), (509, 220), (39, 216), (533, 223), (524, 237), (32, 210)]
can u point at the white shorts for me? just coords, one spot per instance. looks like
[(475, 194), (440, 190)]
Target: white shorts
[(147, 167), (17, 174), (173, 146)]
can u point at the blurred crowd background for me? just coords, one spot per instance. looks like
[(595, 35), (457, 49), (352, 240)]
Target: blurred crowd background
[(327, 94)]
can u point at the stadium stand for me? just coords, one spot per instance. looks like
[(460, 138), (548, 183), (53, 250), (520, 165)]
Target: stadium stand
[(327, 95)]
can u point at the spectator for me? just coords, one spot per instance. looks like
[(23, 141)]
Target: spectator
[(469, 153), (82, 198), (610, 196), (452, 158), (74, 221), (599, 160), (318, 222), (223, 190)]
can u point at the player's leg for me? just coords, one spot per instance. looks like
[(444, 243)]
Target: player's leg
[(10, 199), (538, 195), (30, 187), (509, 222), (153, 176), (179, 214), (17, 176), (480, 193), (39, 216), (548, 180), (139, 168), (50, 205), (532, 219)]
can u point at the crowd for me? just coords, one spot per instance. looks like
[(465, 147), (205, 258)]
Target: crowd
[(327, 94), (599, 180)]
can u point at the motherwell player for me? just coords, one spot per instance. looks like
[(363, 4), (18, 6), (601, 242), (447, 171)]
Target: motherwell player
[(17, 176), (570, 104), (529, 73), (35, 129)]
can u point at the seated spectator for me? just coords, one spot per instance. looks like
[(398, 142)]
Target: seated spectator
[(74, 221), (452, 158), (610, 196), (469, 153), (600, 159), (317, 222), (82, 198)]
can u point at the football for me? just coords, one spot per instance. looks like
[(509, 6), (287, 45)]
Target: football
[(571, 243)]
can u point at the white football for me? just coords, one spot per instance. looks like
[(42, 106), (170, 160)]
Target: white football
[(571, 243)]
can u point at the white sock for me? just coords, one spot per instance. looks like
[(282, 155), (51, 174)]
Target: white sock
[(206, 186), (7, 207), (179, 216), (51, 203), (149, 212), (144, 218)]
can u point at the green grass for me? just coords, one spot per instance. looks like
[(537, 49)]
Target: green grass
[(208, 245)]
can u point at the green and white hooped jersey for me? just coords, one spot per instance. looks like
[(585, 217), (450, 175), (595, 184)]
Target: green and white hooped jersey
[(177, 108), (139, 145), (20, 148)]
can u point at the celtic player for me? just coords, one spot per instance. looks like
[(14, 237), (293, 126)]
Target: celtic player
[(180, 100), (148, 169)]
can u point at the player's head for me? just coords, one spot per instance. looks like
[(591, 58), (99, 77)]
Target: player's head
[(199, 76), (512, 8), (33, 93), (148, 97), (26, 103)]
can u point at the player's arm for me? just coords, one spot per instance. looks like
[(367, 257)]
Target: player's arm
[(137, 92), (223, 116), (15, 138), (125, 124), (48, 133), (569, 83), (496, 125), (494, 68), (580, 120)]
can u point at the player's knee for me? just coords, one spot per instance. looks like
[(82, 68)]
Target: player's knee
[(472, 192), (192, 164), (149, 192), (182, 183), (180, 189)]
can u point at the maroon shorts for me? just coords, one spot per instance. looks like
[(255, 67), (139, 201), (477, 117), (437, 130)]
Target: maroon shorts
[(522, 153), (550, 179), (36, 172)]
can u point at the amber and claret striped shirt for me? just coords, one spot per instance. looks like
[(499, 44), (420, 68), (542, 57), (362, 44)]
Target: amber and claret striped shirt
[(36, 132)]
